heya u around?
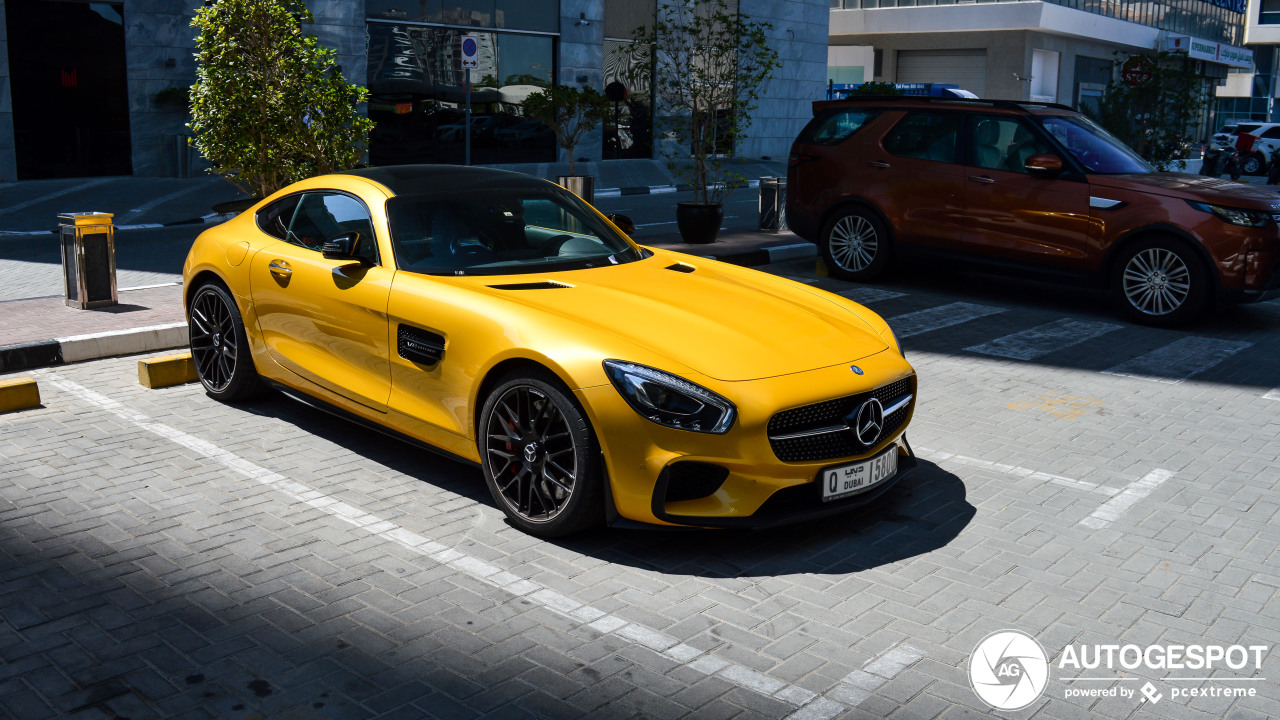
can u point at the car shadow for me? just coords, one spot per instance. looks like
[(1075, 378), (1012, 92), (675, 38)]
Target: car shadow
[(922, 513)]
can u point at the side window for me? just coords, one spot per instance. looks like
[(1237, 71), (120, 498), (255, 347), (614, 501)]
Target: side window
[(833, 126), (1003, 143), (322, 216), (1272, 133), (274, 218), (925, 135)]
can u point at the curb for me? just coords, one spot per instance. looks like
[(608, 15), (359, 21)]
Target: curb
[(77, 348), (767, 255), (659, 189)]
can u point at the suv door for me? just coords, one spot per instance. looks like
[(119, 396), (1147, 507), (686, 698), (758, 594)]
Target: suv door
[(917, 180), (1012, 214), (326, 320)]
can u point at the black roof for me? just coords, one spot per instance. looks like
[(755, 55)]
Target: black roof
[(426, 179)]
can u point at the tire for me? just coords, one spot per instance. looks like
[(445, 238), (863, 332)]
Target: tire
[(220, 346), (1160, 282), (540, 456), (1252, 164), (855, 246)]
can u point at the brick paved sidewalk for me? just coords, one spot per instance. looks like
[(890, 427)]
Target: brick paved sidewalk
[(24, 321)]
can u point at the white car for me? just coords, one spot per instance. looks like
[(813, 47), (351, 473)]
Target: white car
[(1255, 161)]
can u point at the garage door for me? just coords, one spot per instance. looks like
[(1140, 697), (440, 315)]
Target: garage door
[(966, 68)]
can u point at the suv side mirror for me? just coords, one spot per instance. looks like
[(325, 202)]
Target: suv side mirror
[(1044, 165), (343, 247), (623, 222)]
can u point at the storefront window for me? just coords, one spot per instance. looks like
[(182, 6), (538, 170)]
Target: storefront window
[(528, 15)]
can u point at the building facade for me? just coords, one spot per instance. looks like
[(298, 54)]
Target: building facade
[(98, 88), (1060, 51), (1249, 94)]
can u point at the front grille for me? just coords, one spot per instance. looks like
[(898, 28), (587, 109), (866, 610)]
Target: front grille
[(829, 413)]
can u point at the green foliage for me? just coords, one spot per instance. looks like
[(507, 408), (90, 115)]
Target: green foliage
[(571, 113), (269, 106), (1156, 117), (878, 89), (709, 62)]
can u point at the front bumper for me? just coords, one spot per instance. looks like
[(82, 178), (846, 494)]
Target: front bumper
[(1261, 278), (758, 489)]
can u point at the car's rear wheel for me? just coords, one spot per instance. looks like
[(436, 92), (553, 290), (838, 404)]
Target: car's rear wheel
[(220, 346), (1160, 282), (1252, 164), (855, 245), (540, 456)]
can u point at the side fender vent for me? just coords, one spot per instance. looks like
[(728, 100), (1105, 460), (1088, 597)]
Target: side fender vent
[(544, 285), (681, 267), (419, 346)]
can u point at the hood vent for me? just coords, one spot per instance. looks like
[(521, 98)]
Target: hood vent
[(544, 285), (681, 267)]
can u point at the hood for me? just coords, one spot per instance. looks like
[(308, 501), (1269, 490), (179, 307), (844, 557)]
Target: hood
[(721, 321), (1193, 187)]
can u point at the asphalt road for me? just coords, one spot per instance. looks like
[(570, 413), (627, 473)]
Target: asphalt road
[(1083, 481)]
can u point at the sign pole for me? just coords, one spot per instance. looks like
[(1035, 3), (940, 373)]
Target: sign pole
[(467, 119), (470, 61)]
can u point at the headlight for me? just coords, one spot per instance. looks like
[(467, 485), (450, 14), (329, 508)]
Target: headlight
[(1236, 216), (669, 400)]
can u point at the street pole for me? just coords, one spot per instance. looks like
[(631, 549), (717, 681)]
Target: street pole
[(467, 120)]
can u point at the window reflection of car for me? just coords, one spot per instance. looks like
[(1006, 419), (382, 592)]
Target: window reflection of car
[(499, 319), (523, 133)]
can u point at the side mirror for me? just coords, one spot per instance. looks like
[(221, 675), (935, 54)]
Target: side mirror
[(1044, 165), (343, 247), (623, 222)]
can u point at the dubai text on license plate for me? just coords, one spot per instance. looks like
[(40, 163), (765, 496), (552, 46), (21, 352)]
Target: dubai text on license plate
[(849, 479)]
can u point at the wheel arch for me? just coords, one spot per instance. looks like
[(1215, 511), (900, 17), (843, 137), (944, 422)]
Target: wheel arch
[(501, 369), (1117, 250), (200, 279)]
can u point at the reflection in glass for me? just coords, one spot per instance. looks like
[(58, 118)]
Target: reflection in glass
[(628, 132)]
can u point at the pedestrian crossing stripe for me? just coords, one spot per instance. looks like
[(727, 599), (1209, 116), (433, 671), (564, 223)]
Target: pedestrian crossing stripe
[(1044, 339), (936, 318), (1179, 360), (866, 295)]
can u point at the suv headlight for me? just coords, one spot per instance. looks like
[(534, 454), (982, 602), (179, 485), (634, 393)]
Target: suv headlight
[(669, 400), (1236, 216)]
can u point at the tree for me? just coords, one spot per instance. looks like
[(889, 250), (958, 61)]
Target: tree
[(269, 106), (569, 112), (709, 63), (1153, 106)]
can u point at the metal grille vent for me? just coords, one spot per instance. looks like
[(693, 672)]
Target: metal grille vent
[(831, 413), (419, 346), (681, 267)]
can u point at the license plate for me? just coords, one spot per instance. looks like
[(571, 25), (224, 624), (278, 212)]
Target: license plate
[(850, 479)]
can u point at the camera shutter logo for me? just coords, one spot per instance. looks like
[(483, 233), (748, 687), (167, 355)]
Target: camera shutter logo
[(1008, 670)]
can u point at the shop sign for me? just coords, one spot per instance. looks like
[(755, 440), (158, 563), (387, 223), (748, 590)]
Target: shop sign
[(1200, 49)]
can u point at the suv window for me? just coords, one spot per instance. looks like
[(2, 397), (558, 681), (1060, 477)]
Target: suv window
[(1247, 128), (925, 135), (323, 216), (1272, 132), (832, 126), (1003, 143), (274, 219)]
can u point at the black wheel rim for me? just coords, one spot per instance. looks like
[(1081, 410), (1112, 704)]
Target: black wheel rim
[(531, 454), (1156, 281), (213, 340), (853, 243)]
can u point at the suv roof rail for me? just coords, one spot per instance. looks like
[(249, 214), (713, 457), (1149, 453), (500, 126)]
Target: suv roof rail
[(1014, 104)]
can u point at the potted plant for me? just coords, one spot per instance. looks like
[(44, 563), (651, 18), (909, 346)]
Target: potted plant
[(709, 62), (571, 113)]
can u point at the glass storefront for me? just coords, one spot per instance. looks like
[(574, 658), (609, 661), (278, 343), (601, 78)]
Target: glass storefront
[(628, 132)]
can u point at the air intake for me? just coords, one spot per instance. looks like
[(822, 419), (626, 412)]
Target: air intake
[(419, 346), (681, 267), (544, 285)]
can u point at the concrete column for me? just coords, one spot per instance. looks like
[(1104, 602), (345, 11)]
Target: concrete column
[(8, 158), (800, 36), (159, 54), (581, 61)]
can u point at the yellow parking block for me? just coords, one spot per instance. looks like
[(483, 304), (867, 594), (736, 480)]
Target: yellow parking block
[(821, 269), (18, 394), (159, 372)]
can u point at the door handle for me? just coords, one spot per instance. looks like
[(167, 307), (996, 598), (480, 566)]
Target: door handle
[(279, 267), (982, 179), (878, 164)]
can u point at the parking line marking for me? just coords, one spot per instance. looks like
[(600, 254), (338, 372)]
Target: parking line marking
[(1272, 394), (858, 685), (936, 318), (866, 295), (1022, 472), (1112, 509), (1044, 339), (1179, 360), (481, 570), (55, 194)]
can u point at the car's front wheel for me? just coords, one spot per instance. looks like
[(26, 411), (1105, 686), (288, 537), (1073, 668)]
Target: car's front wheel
[(220, 346), (855, 245), (540, 456), (1252, 164), (1160, 282)]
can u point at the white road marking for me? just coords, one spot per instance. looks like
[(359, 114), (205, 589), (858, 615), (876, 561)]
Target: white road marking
[(148, 287), (858, 685), (1044, 339), (1083, 485), (474, 567), (669, 222), (1273, 394), (56, 194), (1179, 360), (1112, 509), (936, 318), (866, 295)]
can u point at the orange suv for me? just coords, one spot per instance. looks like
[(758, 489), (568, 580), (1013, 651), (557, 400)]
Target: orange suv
[(1035, 188)]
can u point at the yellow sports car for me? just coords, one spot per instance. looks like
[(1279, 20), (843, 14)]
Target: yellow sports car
[(497, 318)]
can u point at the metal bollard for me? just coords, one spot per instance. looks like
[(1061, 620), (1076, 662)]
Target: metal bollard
[(88, 259), (773, 204)]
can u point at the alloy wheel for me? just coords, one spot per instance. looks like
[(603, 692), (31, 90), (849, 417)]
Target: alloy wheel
[(213, 340), (531, 454), (1156, 281), (853, 243)]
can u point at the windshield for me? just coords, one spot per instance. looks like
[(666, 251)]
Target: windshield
[(1096, 149), (499, 231)]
